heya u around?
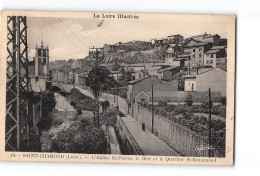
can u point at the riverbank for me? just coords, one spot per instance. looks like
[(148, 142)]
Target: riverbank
[(72, 129)]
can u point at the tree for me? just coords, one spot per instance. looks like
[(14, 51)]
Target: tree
[(87, 139), (126, 76), (189, 100), (48, 105), (98, 79)]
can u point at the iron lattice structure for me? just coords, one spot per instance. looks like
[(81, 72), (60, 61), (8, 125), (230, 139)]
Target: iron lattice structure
[(17, 116), (98, 54)]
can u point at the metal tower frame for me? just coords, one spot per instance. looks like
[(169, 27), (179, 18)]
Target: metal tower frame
[(17, 85)]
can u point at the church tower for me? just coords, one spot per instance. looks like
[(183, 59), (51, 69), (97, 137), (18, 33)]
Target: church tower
[(41, 60)]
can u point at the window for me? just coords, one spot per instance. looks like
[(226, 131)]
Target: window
[(211, 61), (194, 50), (211, 55), (44, 53), (142, 101), (39, 52), (207, 61), (199, 55)]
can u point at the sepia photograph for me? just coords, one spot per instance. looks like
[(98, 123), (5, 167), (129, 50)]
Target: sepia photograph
[(110, 87)]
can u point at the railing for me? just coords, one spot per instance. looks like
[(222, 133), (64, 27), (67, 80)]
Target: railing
[(122, 127)]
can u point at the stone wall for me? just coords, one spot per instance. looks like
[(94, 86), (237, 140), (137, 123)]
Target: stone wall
[(184, 141)]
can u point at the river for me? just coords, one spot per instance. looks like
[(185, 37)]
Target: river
[(63, 116)]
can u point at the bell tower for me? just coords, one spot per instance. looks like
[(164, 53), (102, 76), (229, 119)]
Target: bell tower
[(41, 60)]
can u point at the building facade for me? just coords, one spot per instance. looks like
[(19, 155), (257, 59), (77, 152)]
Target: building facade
[(175, 39), (214, 78), (215, 56), (196, 51)]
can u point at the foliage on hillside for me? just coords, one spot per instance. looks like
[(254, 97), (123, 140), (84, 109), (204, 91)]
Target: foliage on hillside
[(79, 100), (109, 117), (80, 138)]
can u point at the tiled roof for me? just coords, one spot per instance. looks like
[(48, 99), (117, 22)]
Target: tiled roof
[(212, 51), (114, 72), (201, 35), (162, 64), (189, 76), (152, 68), (175, 35), (218, 47), (201, 71), (136, 80), (107, 64), (208, 36), (169, 68)]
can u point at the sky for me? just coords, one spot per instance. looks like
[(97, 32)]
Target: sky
[(71, 37)]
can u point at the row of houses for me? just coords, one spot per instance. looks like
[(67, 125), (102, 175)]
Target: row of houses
[(74, 73), (196, 85), (199, 51)]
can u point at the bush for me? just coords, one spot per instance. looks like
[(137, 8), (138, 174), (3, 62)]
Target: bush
[(224, 101), (88, 140), (45, 123), (72, 103), (110, 117), (189, 100)]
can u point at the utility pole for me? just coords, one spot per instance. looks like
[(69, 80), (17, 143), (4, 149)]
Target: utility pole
[(117, 107), (209, 124), (95, 53), (152, 110)]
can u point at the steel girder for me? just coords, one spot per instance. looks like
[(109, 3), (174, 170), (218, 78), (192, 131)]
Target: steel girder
[(17, 83)]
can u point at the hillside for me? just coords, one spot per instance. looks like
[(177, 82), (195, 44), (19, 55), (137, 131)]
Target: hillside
[(131, 57)]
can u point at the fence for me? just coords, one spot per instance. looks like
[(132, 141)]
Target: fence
[(183, 140)]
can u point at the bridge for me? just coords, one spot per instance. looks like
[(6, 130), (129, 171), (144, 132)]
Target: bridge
[(61, 87)]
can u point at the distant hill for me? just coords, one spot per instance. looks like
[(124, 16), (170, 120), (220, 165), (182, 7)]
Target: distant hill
[(131, 57)]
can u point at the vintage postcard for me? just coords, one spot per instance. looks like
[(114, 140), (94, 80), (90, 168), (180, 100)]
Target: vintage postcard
[(101, 87)]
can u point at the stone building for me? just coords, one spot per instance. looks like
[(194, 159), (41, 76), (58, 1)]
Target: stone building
[(39, 69)]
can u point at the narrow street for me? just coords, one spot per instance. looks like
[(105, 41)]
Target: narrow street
[(148, 142)]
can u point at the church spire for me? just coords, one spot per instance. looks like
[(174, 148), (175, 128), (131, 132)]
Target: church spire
[(42, 44)]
